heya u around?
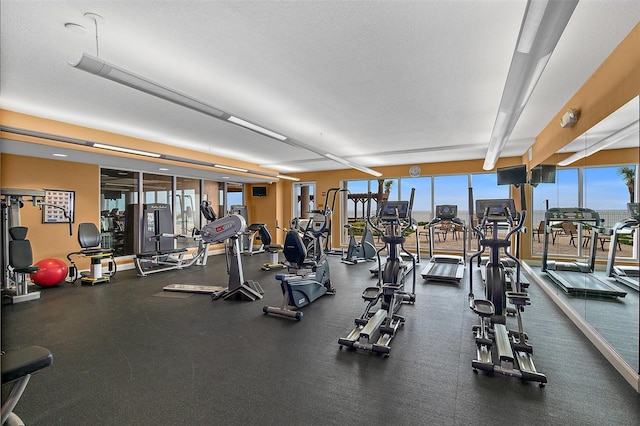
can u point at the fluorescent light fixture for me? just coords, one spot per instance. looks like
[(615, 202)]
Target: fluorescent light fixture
[(543, 23), (59, 155), (97, 66), (535, 76), (237, 169), (255, 128), (295, 179), (126, 150), (615, 137), (530, 25), (353, 165)]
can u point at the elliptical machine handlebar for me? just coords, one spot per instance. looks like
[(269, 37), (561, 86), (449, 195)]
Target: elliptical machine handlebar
[(408, 221)]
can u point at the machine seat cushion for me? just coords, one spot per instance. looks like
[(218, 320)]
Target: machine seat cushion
[(294, 250), (95, 251), (27, 270), (18, 364), (88, 235)]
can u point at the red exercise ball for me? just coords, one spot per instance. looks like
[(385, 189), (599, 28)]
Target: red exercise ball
[(51, 273)]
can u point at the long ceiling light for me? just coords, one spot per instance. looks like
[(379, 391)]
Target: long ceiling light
[(126, 150), (235, 169), (543, 23), (353, 165), (615, 137), (84, 143), (295, 179), (256, 128), (99, 67)]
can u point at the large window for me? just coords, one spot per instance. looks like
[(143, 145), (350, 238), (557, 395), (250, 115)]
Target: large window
[(120, 209), (304, 199), (422, 202), (187, 205), (429, 192), (563, 193), (485, 186), (606, 190), (234, 195), (357, 193), (118, 188), (213, 192), (452, 190)]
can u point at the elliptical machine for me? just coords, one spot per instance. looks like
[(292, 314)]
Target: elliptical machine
[(511, 348), (374, 330), (309, 277), (360, 251)]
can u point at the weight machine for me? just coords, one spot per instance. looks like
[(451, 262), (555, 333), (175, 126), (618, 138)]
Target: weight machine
[(12, 200)]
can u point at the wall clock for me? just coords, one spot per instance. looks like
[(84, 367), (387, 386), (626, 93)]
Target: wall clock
[(414, 171)]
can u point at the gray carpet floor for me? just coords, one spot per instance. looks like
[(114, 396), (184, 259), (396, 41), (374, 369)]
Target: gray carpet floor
[(124, 356)]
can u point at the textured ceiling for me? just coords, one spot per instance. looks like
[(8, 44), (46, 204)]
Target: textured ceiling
[(377, 82)]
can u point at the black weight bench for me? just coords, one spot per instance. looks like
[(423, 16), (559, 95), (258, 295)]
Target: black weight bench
[(17, 368)]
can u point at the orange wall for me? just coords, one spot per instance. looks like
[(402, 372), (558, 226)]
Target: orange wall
[(52, 239)]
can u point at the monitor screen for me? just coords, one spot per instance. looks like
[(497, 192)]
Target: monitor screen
[(259, 191), (514, 175), (391, 208), (543, 173)]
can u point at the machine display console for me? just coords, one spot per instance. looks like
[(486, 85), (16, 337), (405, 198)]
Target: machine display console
[(389, 209), (447, 212), (634, 210), (497, 207)]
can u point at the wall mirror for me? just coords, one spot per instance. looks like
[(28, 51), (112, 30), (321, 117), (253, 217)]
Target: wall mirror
[(595, 174)]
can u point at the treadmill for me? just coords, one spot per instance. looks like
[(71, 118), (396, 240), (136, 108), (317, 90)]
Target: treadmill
[(442, 267), (576, 278), (627, 275)]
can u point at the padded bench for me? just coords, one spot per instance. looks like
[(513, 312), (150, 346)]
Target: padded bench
[(17, 368)]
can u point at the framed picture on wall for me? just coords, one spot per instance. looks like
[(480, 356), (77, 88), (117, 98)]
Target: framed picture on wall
[(58, 206)]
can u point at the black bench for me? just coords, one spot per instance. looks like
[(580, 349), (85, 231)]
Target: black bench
[(17, 368)]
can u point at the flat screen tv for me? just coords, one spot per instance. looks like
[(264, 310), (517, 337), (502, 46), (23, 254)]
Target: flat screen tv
[(543, 173), (513, 175), (259, 191)]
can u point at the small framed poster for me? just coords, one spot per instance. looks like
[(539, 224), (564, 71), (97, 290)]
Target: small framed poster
[(58, 206)]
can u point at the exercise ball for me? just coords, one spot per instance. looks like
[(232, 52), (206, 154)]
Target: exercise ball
[(51, 273)]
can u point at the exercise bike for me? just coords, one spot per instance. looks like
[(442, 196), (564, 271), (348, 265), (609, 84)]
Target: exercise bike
[(493, 339), (374, 330), (308, 278), (360, 251)]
